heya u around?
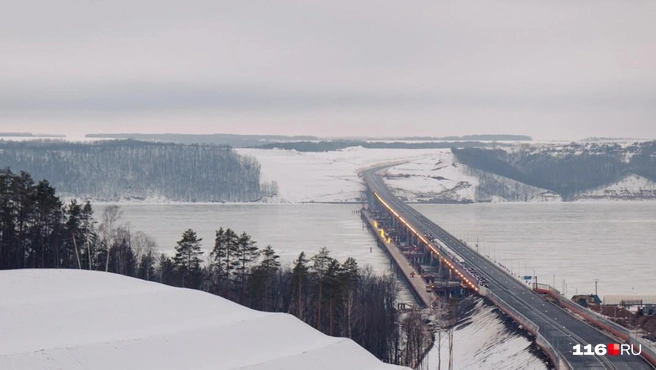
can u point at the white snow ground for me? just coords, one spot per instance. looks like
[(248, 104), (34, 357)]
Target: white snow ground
[(73, 319), (323, 176), (421, 175), (483, 342), (433, 177)]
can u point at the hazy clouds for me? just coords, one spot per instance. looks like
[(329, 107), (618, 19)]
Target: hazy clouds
[(552, 69)]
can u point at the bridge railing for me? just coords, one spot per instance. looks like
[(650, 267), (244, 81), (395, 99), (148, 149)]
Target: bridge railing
[(559, 361), (508, 309), (597, 319), (648, 349)]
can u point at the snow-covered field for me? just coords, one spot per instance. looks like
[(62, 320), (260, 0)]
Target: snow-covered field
[(420, 175), (433, 177), (324, 176), (72, 319)]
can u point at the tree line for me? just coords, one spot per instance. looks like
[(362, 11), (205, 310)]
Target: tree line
[(333, 145), (39, 230), (233, 140), (140, 170)]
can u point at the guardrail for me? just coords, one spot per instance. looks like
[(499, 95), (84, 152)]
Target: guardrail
[(598, 320), (558, 360)]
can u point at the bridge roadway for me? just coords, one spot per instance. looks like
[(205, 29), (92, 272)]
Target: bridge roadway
[(560, 328)]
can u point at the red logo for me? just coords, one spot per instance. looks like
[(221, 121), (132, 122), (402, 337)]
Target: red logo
[(613, 349)]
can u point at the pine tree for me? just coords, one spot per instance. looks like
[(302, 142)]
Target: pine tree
[(165, 269), (222, 257), (8, 239), (246, 253), (321, 262), (263, 275), (146, 269), (334, 288), (47, 218), (348, 276), (24, 201), (73, 235), (187, 257), (299, 278), (88, 235)]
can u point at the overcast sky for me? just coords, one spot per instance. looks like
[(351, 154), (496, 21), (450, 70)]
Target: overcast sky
[(553, 69)]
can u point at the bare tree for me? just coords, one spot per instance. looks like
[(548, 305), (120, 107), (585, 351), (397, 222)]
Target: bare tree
[(144, 247), (110, 218)]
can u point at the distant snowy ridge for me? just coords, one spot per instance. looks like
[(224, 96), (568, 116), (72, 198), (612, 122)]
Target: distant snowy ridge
[(632, 187), (434, 178), (575, 171), (438, 178), (430, 175), (304, 177), (416, 175), (494, 188), (77, 319), (420, 175)]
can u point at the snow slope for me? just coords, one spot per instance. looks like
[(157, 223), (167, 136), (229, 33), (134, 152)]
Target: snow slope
[(72, 319), (482, 341), (435, 177), (631, 187), (421, 175), (323, 176)]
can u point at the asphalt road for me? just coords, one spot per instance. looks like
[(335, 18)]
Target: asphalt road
[(561, 329)]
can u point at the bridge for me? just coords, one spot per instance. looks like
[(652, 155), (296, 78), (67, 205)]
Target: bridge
[(556, 330)]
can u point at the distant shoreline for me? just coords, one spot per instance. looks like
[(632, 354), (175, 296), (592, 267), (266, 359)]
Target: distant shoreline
[(154, 203)]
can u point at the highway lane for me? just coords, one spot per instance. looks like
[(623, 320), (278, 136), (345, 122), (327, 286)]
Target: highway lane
[(561, 329)]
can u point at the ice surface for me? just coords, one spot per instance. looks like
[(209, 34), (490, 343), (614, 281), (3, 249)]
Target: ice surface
[(72, 319)]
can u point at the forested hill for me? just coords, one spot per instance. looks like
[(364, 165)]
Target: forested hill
[(568, 170), (115, 170)]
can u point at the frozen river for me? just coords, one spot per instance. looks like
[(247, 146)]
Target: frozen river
[(571, 242), (290, 229)]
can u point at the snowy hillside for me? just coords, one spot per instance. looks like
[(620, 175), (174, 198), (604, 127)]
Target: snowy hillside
[(629, 188), (575, 171), (432, 178), (482, 341), (438, 178), (421, 175), (323, 176), (536, 172), (72, 319)]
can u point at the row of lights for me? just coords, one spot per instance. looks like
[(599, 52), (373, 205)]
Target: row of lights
[(429, 244)]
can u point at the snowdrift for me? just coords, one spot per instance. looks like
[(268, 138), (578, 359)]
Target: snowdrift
[(72, 319)]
